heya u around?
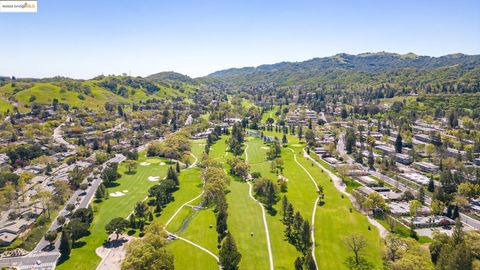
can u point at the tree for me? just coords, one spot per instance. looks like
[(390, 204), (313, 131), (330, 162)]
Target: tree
[(344, 113), (177, 167), (300, 132), (77, 229), (70, 207), (310, 137), (100, 193), (131, 165), (284, 139), (228, 254), (76, 176), (85, 215), (65, 244), (309, 261), (305, 241), (356, 243), (51, 236), (117, 226), (398, 143), (172, 175), (110, 174), (298, 264), (414, 206), (141, 210), (371, 160), (221, 218), (349, 140), (44, 197), (437, 207), (149, 252), (393, 245), (236, 140), (431, 185)]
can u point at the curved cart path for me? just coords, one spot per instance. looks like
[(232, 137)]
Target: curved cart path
[(267, 233), (338, 183), (178, 211), (312, 231)]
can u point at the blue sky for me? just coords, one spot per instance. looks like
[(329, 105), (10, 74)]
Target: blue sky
[(84, 38)]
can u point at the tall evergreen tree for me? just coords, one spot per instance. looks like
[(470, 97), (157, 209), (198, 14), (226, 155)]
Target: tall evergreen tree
[(172, 175), (229, 256), (65, 244), (398, 143)]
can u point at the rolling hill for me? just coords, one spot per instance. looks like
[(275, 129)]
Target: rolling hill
[(363, 70), (92, 94)]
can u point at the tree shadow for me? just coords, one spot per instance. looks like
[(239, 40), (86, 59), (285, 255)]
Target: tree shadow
[(131, 232), (272, 211), (48, 248), (62, 259), (112, 184), (79, 244), (130, 173)]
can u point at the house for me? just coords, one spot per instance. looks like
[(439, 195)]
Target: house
[(204, 134), (4, 159), (426, 167), (403, 209), (403, 158), (11, 230), (332, 160), (321, 151), (429, 221), (417, 178), (455, 153), (387, 150), (367, 180), (422, 138), (477, 161), (232, 121)]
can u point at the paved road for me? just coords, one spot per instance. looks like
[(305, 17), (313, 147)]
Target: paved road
[(58, 137), (38, 260), (341, 149)]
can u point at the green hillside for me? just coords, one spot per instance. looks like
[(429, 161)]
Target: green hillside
[(91, 94), (456, 72)]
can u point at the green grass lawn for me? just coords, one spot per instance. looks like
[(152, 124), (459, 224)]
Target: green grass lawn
[(5, 106), (190, 257), (137, 184), (244, 218), (403, 231), (301, 193), (334, 222), (270, 114)]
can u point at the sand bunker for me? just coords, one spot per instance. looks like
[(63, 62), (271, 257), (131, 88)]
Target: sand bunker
[(153, 178), (144, 163), (125, 191), (264, 147), (118, 194), (162, 163)]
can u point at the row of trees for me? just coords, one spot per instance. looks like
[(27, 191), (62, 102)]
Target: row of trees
[(297, 231), (76, 228), (235, 143)]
